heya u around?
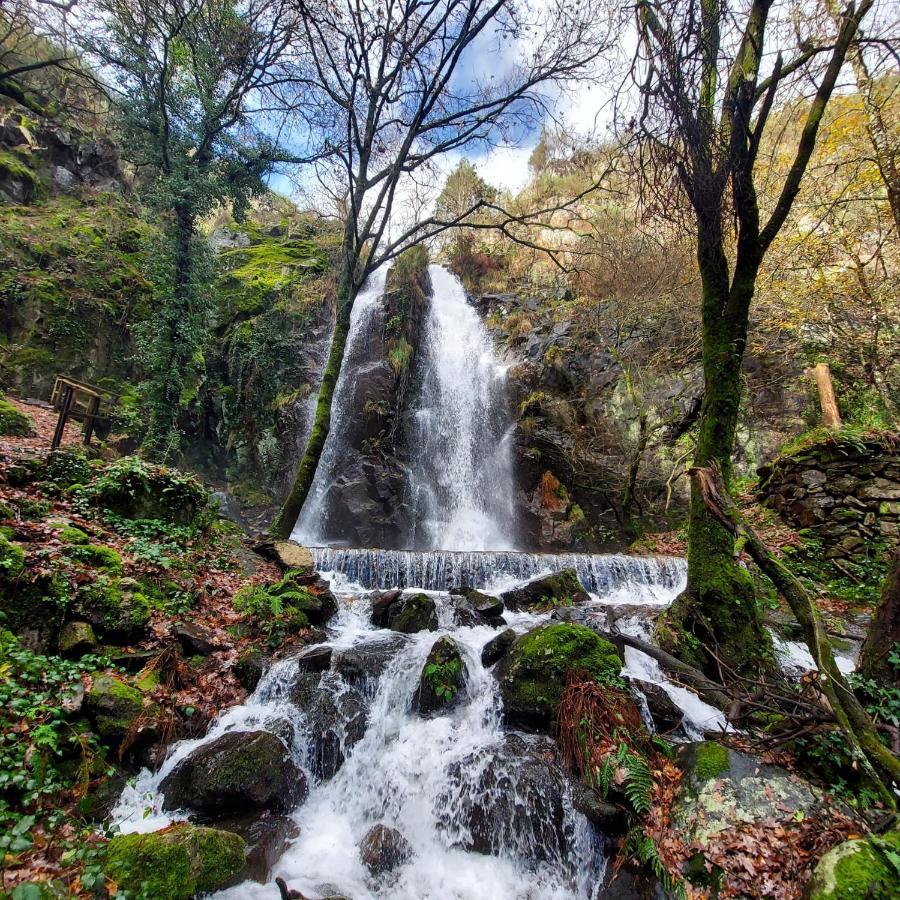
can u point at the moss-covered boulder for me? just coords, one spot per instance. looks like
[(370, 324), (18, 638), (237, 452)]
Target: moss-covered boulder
[(117, 709), (248, 668), (115, 607), (33, 605), (310, 595), (135, 489), (864, 869), (12, 561), (176, 863), (413, 613), (559, 589), (13, 422), (533, 672), (237, 772), (76, 639), (442, 684), (98, 556), (72, 535)]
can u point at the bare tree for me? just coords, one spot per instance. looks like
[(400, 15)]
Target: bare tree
[(394, 85), (709, 73)]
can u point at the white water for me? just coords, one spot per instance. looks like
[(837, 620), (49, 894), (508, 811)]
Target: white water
[(307, 529), (462, 482)]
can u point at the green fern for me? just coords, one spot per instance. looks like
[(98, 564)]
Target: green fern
[(642, 846)]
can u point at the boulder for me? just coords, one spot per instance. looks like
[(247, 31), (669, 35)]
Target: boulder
[(533, 672), (495, 649), (862, 869), (310, 594), (176, 863), (380, 606), (291, 555), (249, 667), (265, 837), (236, 772), (664, 711), (608, 818), (335, 720), (442, 684), (195, 639), (115, 607), (722, 788), (509, 802), (76, 639), (363, 664), (114, 707), (413, 613), (383, 849), (315, 659), (560, 588)]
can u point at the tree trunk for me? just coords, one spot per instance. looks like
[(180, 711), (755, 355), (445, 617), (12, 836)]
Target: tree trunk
[(831, 416), (884, 632), (715, 621), (171, 350), (290, 511)]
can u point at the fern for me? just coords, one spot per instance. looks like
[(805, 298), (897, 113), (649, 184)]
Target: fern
[(642, 846)]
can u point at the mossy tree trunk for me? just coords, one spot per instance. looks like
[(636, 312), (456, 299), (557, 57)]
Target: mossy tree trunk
[(883, 637)]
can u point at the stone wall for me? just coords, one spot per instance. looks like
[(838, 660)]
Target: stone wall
[(846, 492)]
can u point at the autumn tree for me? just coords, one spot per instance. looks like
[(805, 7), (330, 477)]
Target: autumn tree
[(392, 86), (709, 74)]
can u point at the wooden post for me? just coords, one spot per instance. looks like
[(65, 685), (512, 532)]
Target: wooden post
[(68, 395), (93, 408), (831, 417)]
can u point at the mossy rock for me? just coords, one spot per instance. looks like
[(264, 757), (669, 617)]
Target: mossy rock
[(559, 589), (13, 422), (442, 684), (72, 535), (533, 672), (864, 869), (76, 639), (176, 863), (411, 614), (12, 561), (98, 556), (236, 772), (115, 607), (114, 706), (34, 605)]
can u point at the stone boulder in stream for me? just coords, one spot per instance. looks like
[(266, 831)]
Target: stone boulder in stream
[(495, 649), (559, 589), (335, 719), (533, 672), (265, 837), (405, 613), (383, 849), (513, 805), (442, 684), (237, 772)]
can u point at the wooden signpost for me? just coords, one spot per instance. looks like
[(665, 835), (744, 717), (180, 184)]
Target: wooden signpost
[(78, 401)]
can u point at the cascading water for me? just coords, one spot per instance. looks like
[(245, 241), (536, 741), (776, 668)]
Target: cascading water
[(462, 481)]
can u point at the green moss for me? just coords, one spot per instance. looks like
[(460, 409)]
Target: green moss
[(99, 556), (14, 164), (114, 705), (175, 863), (533, 674), (865, 869), (73, 535), (12, 560), (13, 422), (710, 760), (115, 606)]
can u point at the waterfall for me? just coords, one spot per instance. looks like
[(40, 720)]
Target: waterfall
[(657, 577), (308, 529), (462, 481)]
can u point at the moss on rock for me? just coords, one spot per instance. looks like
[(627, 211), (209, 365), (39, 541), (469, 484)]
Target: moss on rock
[(12, 560), (99, 556), (411, 614), (73, 535), (533, 673), (13, 422), (864, 869), (176, 863), (710, 761), (114, 706), (114, 606), (560, 588)]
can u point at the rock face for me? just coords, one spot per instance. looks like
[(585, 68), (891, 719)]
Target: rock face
[(863, 869), (517, 803), (723, 787), (561, 588), (383, 849), (442, 684), (533, 672), (249, 667), (846, 493), (176, 863), (195, 639), (335, 720), (237, 772), (291, 555)]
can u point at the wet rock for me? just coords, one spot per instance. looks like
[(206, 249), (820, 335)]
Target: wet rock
[(442, 684), (310, 594), (176, 863), (237, 772), (76, 639), (562, 587), (664, 711), (265, 837), (533, 672), (485, 605), (249, 667), (495, 649), (381, 603), (363, 664), (335, 720), (513, 803), (722, 788), (607, 818), (383, 849), (413, 613), (195, 640), (315, 659)]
